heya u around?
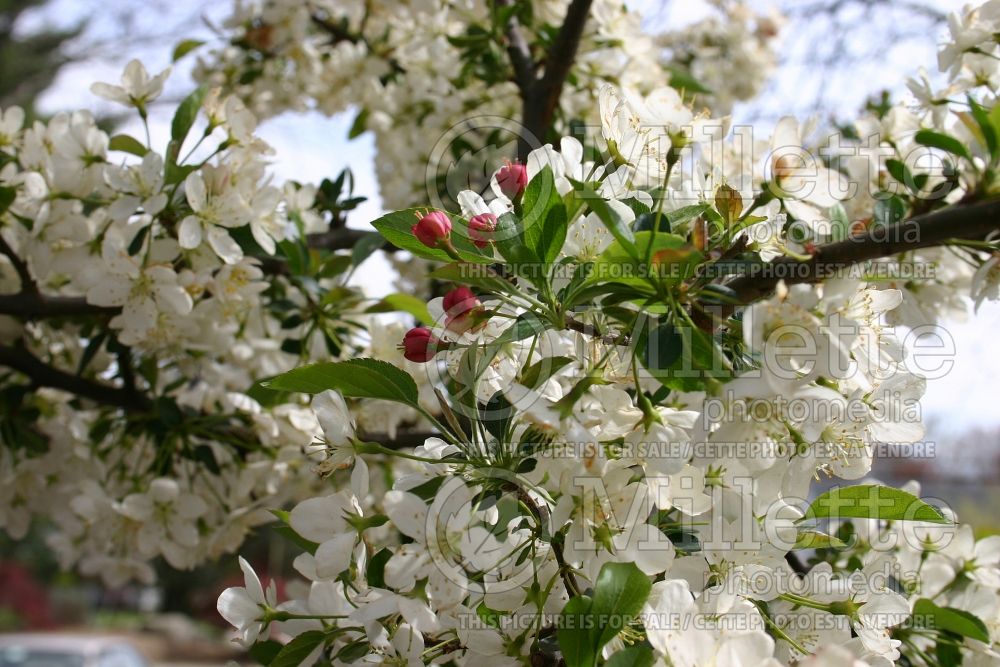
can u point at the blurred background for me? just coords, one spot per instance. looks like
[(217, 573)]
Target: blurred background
[(836, 57)]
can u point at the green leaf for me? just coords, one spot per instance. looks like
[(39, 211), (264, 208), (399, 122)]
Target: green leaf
[(185, 47), (669, 219), (660, 347), (543, 369), (888, 209), (814, 539), (870, 501), (375, 572), (359, 125), (701, 361), (543, 222), (174, 173), (639, 655), (619, 593), (620, 265), (294, 652), (622, 232), (714, 293), (928, 615), (512, 245), (841, 224), (365, 246), (525, 326), (483, 277), (982, 118), (645, 221), (7, 197), (898, 170), (576, 634), (396, 229), (265, 651), (185, 116), (490, 617), (496, 416), (204, 455), (354, 378), (286, 531), (406, 303), (994, 121), (948, 654), (682, 80), (944, 142), (127, 144), (353, 652)]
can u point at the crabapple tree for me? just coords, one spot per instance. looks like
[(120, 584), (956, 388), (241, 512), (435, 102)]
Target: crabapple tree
[(641, 333)]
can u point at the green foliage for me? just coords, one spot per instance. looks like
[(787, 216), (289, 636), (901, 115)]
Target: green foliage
[(958, 621), (590, 622), (354, 378), (871, 501)]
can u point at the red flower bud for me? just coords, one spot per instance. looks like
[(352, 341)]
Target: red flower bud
[(462, 310), (432, 228), (512, 179), (481, 228), (420, 345)]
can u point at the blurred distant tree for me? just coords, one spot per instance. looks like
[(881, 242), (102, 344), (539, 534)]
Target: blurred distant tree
[(28, 63)]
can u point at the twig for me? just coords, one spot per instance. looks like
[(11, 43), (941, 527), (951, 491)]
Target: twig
[(519, 52), (969, 221), (33, 305), (19, 358), (565, 570), (28, 284)]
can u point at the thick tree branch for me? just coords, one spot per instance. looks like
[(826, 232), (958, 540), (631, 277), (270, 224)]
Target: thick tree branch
[(19, 358), (32, 305), (541, 100), (519, 52), (968, 221)]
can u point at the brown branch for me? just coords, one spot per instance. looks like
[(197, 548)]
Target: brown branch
[(20, 359), (969, 221), (33, 305), (541, 100), (341, 238), (519, 52), (28, 284)]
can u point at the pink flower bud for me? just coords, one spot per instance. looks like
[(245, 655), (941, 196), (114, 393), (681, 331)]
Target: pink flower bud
[(481, 228), (432, 228), (462, 310), (512, 179), (420, 345)]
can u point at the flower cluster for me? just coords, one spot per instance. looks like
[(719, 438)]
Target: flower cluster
[(628, 427), (146, 292), (415, 70)]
